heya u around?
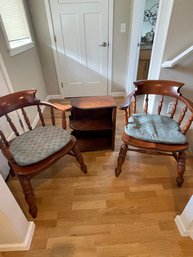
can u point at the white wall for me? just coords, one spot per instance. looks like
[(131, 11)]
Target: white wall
[(180, 37), (39, 21), (16, 231), (24, 69), (120, 44)]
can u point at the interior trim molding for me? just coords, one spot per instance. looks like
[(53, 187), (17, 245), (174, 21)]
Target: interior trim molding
[(178, 58), (184, 222), (23, 246), (118, 94), (50, 97)]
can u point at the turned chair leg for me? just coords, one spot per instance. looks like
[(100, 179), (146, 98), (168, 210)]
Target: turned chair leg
[(79, 158), (11, 171), (29, 195), (181, 168), (121, 159)]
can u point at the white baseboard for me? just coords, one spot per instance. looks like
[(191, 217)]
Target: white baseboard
[(49, 97), (182, 229), (23, 246), (118, 94)]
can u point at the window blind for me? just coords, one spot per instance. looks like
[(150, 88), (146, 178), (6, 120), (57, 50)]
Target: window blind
[(14, 20)]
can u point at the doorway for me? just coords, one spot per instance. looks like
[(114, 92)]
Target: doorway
[(159, 40), (81, 32), (147, 37)]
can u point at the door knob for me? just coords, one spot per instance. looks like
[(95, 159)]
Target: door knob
[(104, 44)]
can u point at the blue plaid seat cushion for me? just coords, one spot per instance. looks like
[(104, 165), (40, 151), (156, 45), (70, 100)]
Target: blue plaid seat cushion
[(38, 144), (155, 128)]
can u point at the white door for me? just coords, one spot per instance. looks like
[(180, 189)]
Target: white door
[(81, 30)]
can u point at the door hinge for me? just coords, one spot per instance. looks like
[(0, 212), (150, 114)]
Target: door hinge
[(62, 85), (55, 38)]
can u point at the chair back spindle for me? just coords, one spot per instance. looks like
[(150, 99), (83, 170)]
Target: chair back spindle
[(134, 105), (182, 115), (12, 125), (41, 115), (174, 109), (26, 119), (3, 138), (160, 104), (52, 116), (127, 114), (188, 124), (64, 120), (146, 103)]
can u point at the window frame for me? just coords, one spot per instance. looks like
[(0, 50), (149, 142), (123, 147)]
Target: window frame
[(20, 45)]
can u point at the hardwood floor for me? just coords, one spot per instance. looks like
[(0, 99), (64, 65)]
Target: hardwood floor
[(98, 215)]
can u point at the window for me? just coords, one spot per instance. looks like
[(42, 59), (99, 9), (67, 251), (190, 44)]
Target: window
[(15, 26)]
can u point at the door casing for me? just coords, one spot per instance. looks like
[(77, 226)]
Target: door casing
[(161, 31)]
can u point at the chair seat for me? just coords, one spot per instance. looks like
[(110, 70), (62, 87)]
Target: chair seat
[(38, 144), (155, 128)]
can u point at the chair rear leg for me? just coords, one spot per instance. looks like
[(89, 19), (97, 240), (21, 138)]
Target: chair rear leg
[(121, 159), (181, 168), (79, 158), (11, 171), (29, 195)]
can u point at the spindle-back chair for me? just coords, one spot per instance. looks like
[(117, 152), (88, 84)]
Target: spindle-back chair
[(166, 137), (35, 150)]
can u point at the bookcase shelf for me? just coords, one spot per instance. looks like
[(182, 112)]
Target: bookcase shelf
[(93, 121)]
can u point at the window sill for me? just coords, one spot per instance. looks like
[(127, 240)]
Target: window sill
[(21, 48)]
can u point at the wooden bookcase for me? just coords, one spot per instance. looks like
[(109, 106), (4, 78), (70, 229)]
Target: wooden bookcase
[(93, 121)]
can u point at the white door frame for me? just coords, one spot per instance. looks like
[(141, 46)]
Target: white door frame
[(10, 89), (161, 31), (137, 9), (6, 76), (54, 46)]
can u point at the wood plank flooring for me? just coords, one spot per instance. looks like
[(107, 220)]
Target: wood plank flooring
[(98, 215)]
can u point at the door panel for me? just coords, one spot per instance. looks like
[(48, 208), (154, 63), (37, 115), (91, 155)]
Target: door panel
[(80, 27)]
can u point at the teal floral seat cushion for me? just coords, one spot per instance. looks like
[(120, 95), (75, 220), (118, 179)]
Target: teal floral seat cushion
[(155, 128), (38, 144)]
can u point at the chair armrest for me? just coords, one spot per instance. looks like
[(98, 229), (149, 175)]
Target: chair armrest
[(59, 107), (127, 101)]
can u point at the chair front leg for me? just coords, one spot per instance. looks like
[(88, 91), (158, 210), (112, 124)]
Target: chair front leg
[(181, 168), (79, 158), (29, 195), (121, 159)]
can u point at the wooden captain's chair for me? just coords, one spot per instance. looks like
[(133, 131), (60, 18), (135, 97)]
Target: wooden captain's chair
[(35, 150), (159, 133)]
